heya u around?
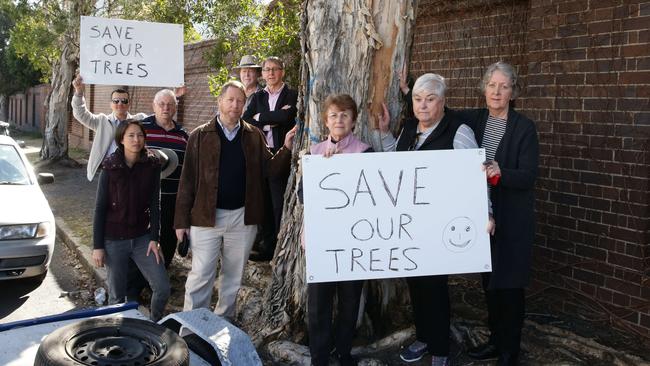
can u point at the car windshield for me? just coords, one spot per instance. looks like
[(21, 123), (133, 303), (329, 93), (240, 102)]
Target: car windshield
[(12, 167)]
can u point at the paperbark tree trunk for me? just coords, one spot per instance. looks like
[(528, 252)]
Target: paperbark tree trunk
[(355, 47), (55, 141)]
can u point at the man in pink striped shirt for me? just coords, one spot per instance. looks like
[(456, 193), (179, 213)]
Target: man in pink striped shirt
[(273, 110)]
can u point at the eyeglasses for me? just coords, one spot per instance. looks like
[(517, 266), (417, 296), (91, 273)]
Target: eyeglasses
[(271, 69), (414, 143), (120, 100)]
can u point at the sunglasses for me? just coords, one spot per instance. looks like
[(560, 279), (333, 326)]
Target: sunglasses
[(120, 100)]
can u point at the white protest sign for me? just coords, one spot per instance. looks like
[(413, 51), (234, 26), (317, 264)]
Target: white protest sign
[(128, 52), (397, 214)]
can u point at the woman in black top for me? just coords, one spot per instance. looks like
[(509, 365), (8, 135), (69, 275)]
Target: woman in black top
[(433, 128), (510, 141), (127, 217)]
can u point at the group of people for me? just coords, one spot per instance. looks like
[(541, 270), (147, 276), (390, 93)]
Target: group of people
[(228, 177), (511, 145), (231, 178)]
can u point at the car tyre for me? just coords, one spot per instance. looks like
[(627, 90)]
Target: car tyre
[(112, 341)]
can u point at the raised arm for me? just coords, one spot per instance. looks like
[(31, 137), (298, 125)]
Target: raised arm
[(79, 109), (382, 138)]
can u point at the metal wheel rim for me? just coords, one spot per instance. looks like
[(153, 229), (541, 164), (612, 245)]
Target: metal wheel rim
[(114, 347)]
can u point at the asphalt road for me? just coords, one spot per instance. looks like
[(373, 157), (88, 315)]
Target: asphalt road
[(24, 299)]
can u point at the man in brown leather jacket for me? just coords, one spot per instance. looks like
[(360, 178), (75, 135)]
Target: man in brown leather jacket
[(220, 198)]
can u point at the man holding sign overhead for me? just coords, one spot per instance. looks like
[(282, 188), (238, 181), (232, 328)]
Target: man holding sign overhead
[(104, 125)]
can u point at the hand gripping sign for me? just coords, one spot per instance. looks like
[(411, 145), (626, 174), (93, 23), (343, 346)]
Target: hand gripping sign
[(397, 214), (128, 52)]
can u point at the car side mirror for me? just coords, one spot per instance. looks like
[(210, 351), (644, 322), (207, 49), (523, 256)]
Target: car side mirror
[(45, 178)]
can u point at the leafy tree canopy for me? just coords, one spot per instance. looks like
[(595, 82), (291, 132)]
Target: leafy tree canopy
[(259, 30), (16, 72), (239, 27)]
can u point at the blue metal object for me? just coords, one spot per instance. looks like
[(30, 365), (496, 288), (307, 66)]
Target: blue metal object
[(79, 314)]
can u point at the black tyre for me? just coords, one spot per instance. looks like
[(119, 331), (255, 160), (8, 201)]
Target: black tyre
[(202, 349), (113, 341)]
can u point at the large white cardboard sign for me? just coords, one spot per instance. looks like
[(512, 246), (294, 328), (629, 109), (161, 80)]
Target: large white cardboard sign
[(129, 52), (397, 214)]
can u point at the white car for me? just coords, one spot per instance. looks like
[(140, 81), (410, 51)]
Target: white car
[(27, 228)]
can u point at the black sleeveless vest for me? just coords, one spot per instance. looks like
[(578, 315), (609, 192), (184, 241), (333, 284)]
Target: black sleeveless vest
[(442, 138)]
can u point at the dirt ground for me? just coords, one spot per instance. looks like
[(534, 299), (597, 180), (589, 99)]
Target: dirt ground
[(548, 339)]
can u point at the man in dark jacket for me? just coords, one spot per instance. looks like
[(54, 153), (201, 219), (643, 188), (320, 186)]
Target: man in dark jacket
[(221, 196), (273, 110)]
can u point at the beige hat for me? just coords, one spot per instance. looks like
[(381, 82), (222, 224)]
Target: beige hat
[(248, 61)]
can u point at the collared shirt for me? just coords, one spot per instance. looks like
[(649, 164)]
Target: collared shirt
[(115, 122), (273, 100), (230, 135), (424, 134)]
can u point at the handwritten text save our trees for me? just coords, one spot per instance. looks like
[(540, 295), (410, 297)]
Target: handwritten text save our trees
[(119, 44), (356, 254)]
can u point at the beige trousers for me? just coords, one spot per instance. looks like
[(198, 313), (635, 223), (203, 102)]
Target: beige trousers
[(229, 239)]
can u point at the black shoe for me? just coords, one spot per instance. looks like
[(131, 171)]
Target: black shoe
[(485, 351), (508, 359)]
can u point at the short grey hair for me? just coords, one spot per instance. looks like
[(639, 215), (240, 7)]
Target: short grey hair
[(507, 70), (430, 83), (232, 84), (162, 93)]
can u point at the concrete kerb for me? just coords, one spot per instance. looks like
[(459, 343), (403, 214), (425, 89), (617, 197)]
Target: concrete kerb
[(84, 253)]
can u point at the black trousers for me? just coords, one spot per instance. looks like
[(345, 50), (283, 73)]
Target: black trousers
[(431, 312), (320, 301), (506, 310), (136, 281), (273, 214)]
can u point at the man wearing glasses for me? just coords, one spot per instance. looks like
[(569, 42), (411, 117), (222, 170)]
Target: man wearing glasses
[(104, 125), (273, 110)]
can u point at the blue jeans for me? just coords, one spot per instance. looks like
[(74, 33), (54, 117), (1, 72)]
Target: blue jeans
[(118, 253)]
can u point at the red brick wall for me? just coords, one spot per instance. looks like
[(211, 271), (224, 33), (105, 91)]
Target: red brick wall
[(585, 66)]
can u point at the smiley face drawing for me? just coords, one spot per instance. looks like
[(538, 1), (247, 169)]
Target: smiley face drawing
[(460, 234)]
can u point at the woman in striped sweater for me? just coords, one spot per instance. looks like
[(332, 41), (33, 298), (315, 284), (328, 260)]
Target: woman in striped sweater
[(511, 147)]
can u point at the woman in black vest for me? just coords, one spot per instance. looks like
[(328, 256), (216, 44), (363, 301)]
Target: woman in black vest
[(433, 128), (511, 147), (127, 217)]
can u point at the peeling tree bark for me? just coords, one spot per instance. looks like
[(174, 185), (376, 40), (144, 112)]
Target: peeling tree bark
[(355, 47), (55, 141)]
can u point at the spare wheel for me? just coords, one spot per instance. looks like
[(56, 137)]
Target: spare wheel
[(112, 342)]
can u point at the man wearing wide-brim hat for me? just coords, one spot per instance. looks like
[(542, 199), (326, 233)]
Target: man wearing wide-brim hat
[(249, 73)]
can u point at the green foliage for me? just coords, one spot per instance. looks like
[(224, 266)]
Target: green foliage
[(16, 72), (185, 12), (34, 39), (37, 29), (263, 32)]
